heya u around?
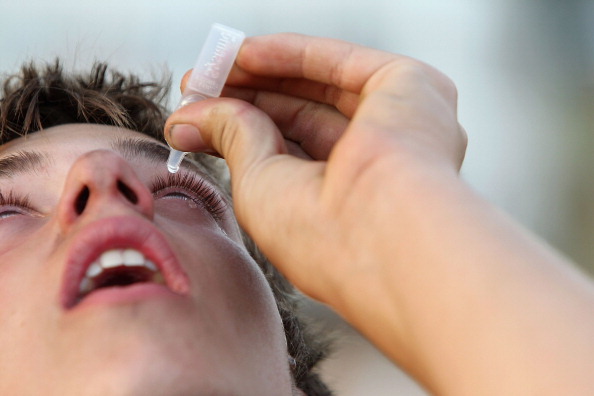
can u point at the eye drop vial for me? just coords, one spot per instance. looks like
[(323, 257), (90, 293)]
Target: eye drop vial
[(209, 74)]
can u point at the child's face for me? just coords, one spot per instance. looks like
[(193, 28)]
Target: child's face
[(213, 328)]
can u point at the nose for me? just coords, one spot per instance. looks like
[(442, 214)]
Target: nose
[(101, 183)]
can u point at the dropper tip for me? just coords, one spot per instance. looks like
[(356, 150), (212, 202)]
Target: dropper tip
[(174, 160)]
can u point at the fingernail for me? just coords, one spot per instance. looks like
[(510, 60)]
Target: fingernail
[(186, 100), (185, 137)]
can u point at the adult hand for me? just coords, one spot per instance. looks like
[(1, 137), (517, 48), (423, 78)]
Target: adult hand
[(320, 136), (329, 129), (344, 165)]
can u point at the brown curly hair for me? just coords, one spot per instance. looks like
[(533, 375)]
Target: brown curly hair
[(39, 97)]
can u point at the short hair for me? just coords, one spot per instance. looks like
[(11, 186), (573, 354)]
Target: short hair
[(43, 96)]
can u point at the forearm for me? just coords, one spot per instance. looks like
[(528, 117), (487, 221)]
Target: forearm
[(471, 300)]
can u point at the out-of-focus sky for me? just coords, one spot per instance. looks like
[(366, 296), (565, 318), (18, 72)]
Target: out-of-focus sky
[(524, 71)]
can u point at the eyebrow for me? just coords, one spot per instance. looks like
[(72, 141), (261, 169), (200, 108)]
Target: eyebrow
[(23, 162), (132, 148)]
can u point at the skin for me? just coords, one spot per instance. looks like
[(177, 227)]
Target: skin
[(224, 337), (362, 149)]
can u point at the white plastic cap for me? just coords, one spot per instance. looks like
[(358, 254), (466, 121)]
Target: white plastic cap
[(215, 61), (210, 73)]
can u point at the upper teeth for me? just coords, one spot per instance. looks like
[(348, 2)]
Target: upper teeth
[(111, 259)]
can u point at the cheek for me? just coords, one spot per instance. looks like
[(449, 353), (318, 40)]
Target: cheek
[(182, 211), (224, 269), (188, 216), (17, 231), (14, 299), (236, 304), (25, 318), (228, 284), (24, 285)]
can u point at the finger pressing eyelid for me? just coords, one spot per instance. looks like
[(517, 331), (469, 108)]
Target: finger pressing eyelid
[(314, 126)]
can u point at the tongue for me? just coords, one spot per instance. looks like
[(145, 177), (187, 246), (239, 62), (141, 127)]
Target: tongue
[(122, 276)]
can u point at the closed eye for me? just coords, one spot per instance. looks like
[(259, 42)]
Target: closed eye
[(8, 213), (12, 204)]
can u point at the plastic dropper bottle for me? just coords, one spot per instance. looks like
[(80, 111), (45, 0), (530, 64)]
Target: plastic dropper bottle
[(209, 74)]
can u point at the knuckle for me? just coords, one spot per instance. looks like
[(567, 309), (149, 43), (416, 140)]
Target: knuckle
[(417, 72), (408, 69), (446, 86), (463, 136), (337, 69), (411, 68), (332, 94)]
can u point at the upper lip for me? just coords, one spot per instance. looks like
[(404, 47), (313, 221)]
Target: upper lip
[(113, 233)]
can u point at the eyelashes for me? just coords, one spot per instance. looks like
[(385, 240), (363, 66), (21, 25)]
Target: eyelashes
[(180, 185), (12, 204), (191, 187), (11, 199)]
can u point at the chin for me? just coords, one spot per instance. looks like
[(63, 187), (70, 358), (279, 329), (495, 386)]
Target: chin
[(143, 374), (175, 368), (162, 379)]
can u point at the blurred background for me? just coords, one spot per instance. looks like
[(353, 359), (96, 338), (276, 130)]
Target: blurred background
[(524, 70)]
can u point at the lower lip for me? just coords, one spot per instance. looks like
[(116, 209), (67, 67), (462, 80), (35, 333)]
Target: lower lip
[(126, 294)]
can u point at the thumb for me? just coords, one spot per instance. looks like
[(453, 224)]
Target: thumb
[(253, 147), (276, 196), (237, 130)]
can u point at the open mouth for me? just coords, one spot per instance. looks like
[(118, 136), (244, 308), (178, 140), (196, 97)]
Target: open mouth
[(126, 256), (119, 268)]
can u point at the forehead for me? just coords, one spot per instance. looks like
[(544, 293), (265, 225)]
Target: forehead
[(71, 138), (57, 148)]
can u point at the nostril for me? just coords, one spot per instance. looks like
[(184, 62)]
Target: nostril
[(127, 192), (81, 200)]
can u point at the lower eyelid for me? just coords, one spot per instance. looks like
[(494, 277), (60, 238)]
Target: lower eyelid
[(7, 214), (4, 214), (172, 193), (178, 195), (216, 210)]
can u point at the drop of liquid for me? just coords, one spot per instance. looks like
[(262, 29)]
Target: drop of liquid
[(192, 205), (172, 168)]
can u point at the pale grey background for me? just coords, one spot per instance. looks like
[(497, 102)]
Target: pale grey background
[(525, 73)]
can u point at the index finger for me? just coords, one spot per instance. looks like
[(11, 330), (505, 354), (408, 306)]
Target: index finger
[(328, 61)]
